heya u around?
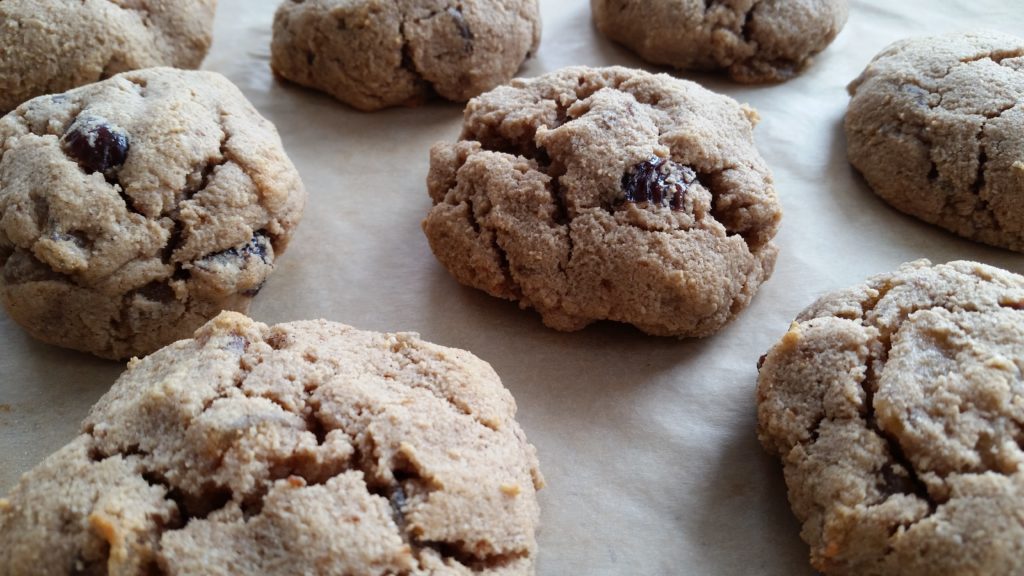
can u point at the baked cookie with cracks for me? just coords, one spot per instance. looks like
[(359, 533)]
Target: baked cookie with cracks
[(302, 448), (752, 40), (897, 409), (374, 55), (50, 46), (607, 194), (135, 209), (936, 126)]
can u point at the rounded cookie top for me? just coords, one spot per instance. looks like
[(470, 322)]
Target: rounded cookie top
[(373, 55), (897, 409), (936, 125), (593, 194), (49, 46), (754, 40), (302, 448), (135, 209)]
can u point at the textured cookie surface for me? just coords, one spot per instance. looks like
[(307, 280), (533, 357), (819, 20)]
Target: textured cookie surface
[(372, 55), (302, 448), (137, 208), (754, 40), (607, 194), (936, 125), (897, 408), (49, 46)]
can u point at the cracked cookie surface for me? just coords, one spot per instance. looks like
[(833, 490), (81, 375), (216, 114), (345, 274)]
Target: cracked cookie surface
[(897, 409), (607, 194), (373, 55), (303, 448), (135, 209), (753, 40), (936, 126), (50, 46)]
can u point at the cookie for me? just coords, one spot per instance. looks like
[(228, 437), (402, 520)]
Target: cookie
[(607, 194), (302, 448), (372, 55), (135, 209), (49, 46), (897, 409), (753, 40), (936, 126)]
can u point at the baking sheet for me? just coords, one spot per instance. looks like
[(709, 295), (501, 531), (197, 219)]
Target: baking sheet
[(648, 444)]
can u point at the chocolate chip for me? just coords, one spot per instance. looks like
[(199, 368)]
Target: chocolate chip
[(658, 181), (237, 344), (398, 503), (463, 26), (760, 361), (257, 247), (920, 95), (157, 292), (95, 143), (252, 292), (895, 481)]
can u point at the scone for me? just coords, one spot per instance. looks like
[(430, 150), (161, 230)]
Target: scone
[(753, 40), (302, 448), (49, 46), (936, 126), (607, 194), (897, 409), (373, 55), (135, 209)]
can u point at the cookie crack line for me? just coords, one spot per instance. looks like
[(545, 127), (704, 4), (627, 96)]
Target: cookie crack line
[(408, 62), (978, 186), (214, 497), (539, 154), (870, 385), (748, 20), (996, 56)]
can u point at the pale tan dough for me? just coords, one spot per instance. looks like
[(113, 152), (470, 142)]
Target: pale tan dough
[(120, 260), (302, 448), (936, 125), (530, 205), (897, 409), (49, 46), (372, 55), (753, 40)]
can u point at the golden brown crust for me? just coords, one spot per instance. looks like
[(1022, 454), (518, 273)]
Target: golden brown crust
[(50, 46), (896, 409), (531, 204), (122, 260), (308, 447), (373, 55), (753, 40), (935, 125)]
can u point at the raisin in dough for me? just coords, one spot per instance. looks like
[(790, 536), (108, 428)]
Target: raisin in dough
[(302, 448), (593, 194), (936, 125), (754, 40), (897, 408), (49, 46), (373, 55), (135, 209)]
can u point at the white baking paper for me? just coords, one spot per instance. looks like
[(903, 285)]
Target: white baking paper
[(648, 444)]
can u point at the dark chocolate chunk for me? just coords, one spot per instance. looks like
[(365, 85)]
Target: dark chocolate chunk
[(895, 481), (658, 181), (463, 26), (257, 247), (96, 144)]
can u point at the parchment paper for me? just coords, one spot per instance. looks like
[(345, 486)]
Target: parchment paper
[(648, 444)]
